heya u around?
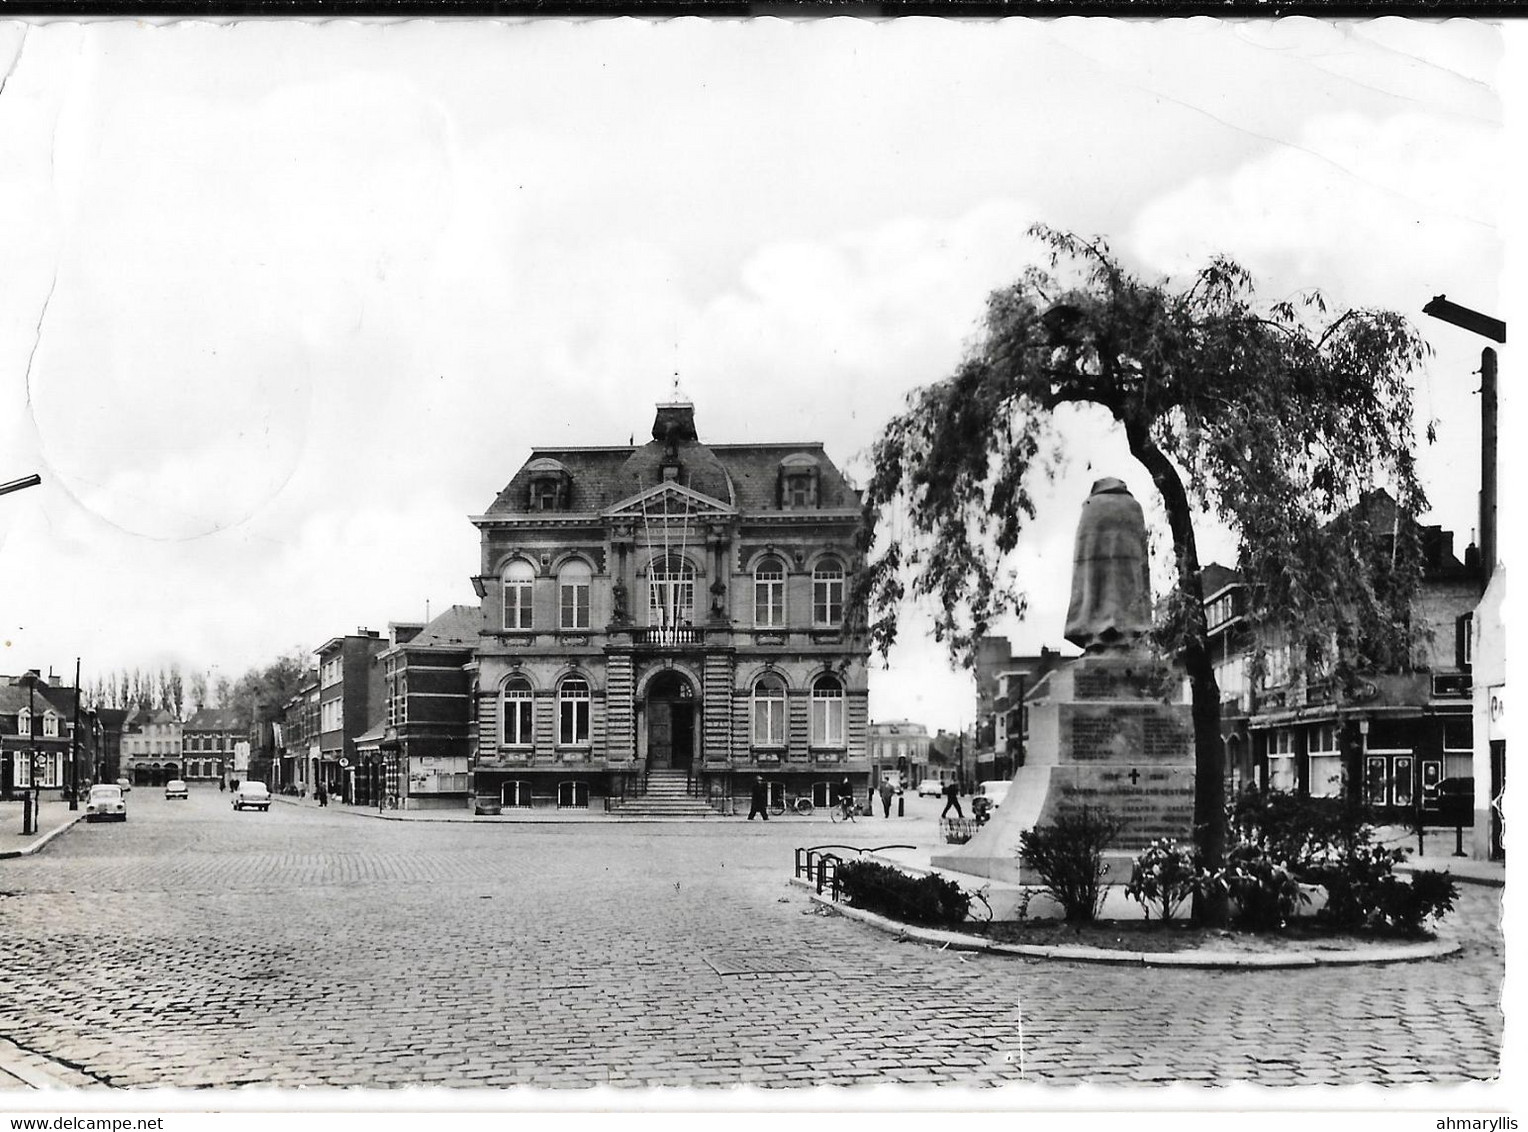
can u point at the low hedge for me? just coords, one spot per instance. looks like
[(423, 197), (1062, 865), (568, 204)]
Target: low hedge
[(913, 900)]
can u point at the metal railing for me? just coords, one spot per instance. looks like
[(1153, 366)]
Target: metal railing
[(669, 635), (821, 868)]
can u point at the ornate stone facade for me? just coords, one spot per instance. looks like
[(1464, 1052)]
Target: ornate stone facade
[(672, 610)]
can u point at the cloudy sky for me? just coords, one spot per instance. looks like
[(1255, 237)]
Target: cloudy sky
[(282, 304)]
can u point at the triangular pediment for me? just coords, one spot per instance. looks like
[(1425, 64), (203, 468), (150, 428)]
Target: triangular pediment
[(670, 501)]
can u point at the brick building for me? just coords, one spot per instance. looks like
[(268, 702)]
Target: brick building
[(36, 733), (668, 617), (207, 744), (349, 690), (1393, 737), (425, 738)]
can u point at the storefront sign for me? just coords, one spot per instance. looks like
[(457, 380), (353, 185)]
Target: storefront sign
[(1497, 725)]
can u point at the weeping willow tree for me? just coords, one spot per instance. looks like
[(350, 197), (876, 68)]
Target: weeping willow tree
[(1279, 419)]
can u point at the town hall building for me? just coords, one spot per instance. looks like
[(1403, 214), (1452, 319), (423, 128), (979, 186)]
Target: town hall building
[(669, 619)]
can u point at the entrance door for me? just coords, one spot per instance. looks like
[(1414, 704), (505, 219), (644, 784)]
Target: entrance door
[(671, 722)]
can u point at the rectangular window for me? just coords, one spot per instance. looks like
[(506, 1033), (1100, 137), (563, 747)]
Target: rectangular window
[(827, 720), (517, 719), (517, 603), (575, 605), (828, 598), (50, 726), (1325, 762), (769, 597), (1281, 760), (24, 724), (769, 722), (573, 715)]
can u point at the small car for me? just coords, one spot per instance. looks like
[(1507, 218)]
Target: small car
[(105, 803), (252, 796), (124, 785), (994, 790), (176, 788), (930, 788)]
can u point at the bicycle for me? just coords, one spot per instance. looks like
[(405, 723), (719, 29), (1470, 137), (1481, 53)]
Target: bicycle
[(796, 803), (847, 809)]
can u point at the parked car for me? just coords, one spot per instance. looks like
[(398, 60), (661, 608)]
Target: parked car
[(994, 790), (252, 796), (176, 788), (105, 803), (1455, 801), (124, 785), (930, 788)]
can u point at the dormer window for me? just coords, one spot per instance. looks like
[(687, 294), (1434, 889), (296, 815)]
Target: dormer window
[(24, 722), (50, 726), (799, 480), (550, 486)]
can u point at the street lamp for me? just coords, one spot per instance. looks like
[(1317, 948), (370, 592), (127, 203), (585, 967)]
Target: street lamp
[(17, 485)]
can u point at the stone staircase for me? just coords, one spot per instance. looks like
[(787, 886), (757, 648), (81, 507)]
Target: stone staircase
[(666, 797)]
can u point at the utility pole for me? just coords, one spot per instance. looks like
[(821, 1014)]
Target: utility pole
[(74, 744)]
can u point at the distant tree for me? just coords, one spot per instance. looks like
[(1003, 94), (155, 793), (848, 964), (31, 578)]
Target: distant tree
[(177, 692), (267, 687), (124, 690), (197, 691), (224, 692), (1272, 417)]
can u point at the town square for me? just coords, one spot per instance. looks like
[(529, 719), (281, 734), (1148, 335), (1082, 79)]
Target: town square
[(669, 557)]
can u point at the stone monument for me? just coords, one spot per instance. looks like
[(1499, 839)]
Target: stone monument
[(1108, 730)]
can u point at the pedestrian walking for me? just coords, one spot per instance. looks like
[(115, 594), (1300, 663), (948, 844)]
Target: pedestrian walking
[(886, 793), (758, 801), (222, 785), (952, 798), (322, 795)]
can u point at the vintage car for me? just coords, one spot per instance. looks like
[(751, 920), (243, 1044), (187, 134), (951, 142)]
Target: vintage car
[(252, 796), (105, 803), (177, 788)]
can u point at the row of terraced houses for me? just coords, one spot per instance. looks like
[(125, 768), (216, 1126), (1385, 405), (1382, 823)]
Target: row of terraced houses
[(658, 625)]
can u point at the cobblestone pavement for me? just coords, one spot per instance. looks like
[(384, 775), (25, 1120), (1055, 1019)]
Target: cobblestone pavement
[(194, 946)]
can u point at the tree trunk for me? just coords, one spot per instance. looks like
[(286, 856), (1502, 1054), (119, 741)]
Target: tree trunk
[(1209, 770)]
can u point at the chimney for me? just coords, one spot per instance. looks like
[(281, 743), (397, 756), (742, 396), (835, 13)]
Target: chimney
[(1472, 557), (675, 423)]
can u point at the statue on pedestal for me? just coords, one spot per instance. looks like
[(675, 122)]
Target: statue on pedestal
[(1111, 579)]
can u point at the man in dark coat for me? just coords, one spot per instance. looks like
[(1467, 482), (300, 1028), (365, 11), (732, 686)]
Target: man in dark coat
[(952, 798), (758, 802)]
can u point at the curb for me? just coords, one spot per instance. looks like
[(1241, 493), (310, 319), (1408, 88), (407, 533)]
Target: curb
[(39, 843), (37, 1071), (485, 819), (1457, 878), (1226, 961)]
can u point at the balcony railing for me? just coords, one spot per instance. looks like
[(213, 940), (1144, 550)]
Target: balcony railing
[(669, 636)]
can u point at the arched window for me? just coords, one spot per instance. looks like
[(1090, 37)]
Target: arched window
[(519, 576), (670, 593), (23, 722), (573, 712), (828, 593), (827, 712), (517, 794), (517, 713), (573, 595), (573, 795), (769, 593), (769, 711)]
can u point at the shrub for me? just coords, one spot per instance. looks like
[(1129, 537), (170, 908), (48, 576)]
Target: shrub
[(1265, 891), (1164, 875), (1429, 895), (1068, 855), (1369, 896), (1299, 832), (1355, 884), (891, 892)]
